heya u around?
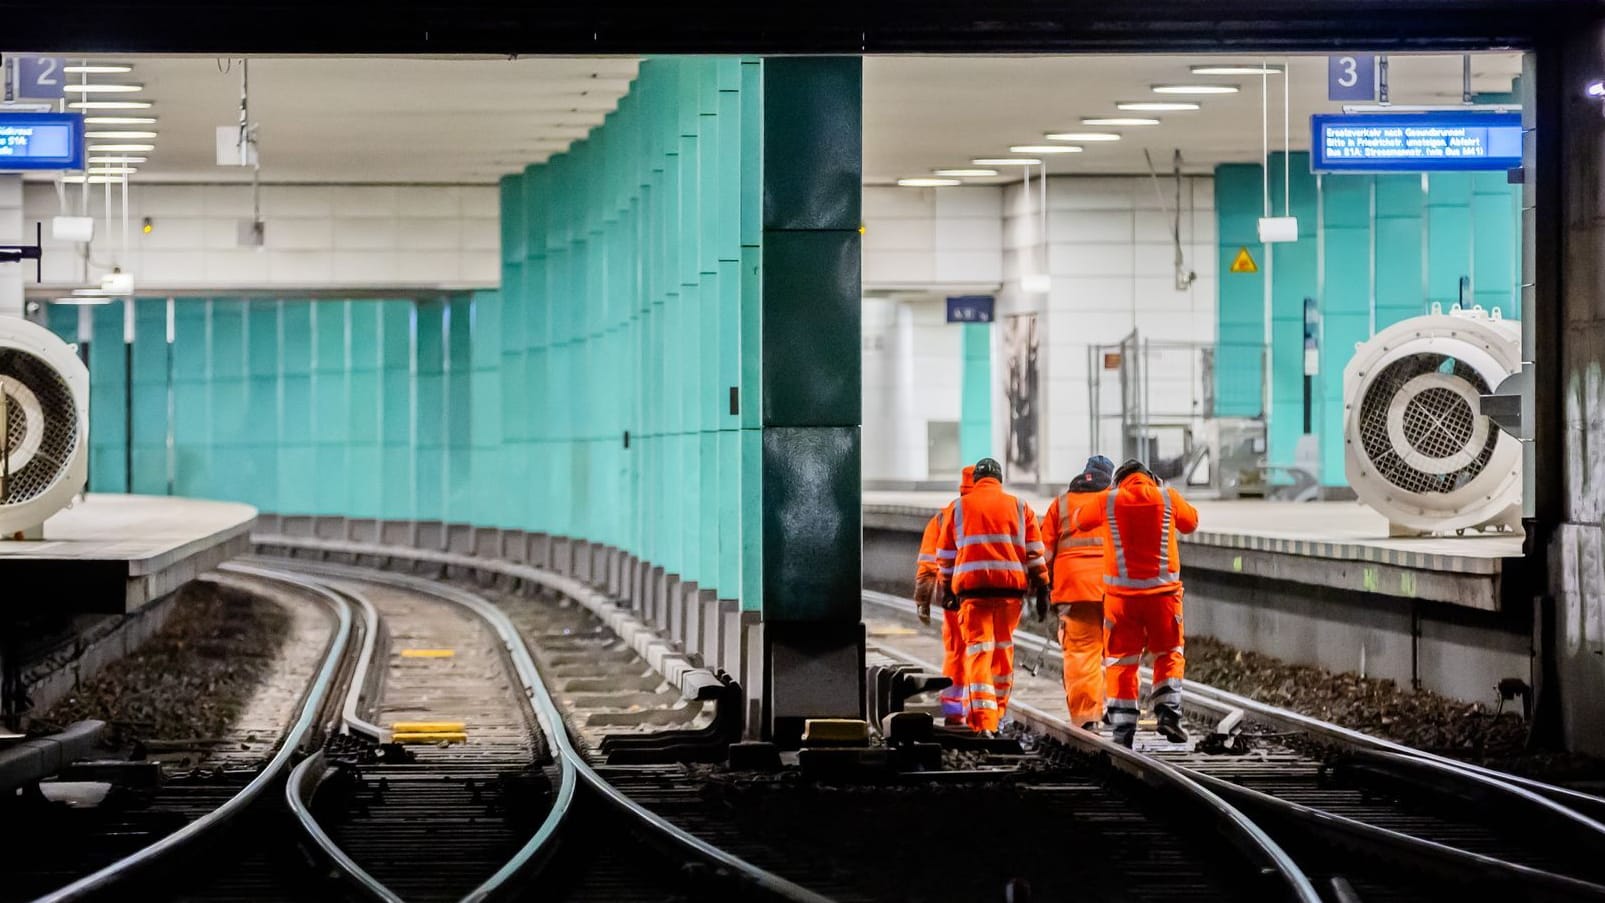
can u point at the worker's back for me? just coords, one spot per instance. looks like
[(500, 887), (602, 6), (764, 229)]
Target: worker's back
[(1143, 520), (993, 543)]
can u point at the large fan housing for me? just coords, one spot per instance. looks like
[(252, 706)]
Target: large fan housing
[(44, 448), (1416, 446)]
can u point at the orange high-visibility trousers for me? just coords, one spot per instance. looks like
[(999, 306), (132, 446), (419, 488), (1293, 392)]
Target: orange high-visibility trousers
[(955, 699), (1134, 623), (988, 630), (1081, 635)]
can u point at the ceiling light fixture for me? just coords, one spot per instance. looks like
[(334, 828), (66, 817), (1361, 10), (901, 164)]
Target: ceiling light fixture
[(1119, 120), (120, 148), (1237, 69), (964, 173), (928, 183), (97, 69), (1045, 149), (81, 300), (102, 89), (119, 120), (1195, 89), (1157, 106), (112, 170), (119, 134), (92, 180), (109, 105), (1006, 161), (97, 161), (1082, 136)]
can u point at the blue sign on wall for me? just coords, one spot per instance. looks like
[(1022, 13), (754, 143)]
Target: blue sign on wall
[(1448, 141), (969, 309), (41, 141), (1351, 77), (40, 77)]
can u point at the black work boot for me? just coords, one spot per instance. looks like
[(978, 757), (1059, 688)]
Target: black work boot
[(1170, 724), (1125, 735)]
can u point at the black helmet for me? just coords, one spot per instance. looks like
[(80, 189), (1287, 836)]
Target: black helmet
[(988, 467), (1132, 466)]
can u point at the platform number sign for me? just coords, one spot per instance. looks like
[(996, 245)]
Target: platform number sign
[(40, 77), (1351, 77)]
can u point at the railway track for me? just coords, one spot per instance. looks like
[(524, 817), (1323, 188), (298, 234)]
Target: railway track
[(146, 826), (1367, 818)]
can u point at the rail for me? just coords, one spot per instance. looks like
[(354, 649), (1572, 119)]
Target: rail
[(303, 728)]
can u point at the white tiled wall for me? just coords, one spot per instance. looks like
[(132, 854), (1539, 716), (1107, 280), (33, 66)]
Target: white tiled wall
[(1112, 266), (930, 238), (358, 236)]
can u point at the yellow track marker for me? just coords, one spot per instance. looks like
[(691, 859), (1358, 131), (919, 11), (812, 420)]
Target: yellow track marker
[(427, 653), (430, 737), (428, 727)]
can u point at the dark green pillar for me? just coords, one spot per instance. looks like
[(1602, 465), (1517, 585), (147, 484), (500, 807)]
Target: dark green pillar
[(811, 404)]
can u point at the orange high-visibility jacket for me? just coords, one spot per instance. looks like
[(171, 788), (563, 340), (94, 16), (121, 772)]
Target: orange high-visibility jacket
[(927, 571), (991, 546), (1075, 554), (1140, 521)]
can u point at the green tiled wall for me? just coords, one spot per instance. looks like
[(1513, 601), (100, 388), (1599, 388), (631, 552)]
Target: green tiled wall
[(1372, 250)]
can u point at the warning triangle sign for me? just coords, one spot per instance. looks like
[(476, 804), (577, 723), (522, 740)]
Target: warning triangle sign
[(1244, 262)]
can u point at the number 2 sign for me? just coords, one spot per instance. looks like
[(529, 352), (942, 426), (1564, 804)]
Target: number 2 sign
[(40, 77), (1351, 77)]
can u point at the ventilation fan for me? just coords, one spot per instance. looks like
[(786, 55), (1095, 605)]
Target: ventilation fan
[(1416, 446), (44, 406)]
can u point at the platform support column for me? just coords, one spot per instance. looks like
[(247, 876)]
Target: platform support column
[(811, 390)]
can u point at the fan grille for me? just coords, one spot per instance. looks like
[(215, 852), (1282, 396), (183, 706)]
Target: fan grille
[(58, 429), (1437, 423)]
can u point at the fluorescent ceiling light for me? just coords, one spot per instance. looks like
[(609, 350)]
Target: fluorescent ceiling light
[(119, 134), (1195, 89), (109, 105), (1082, 136), (1119, 120), (119, 120), (928, 183), (112, 170), (97, 69), (1238, 69), (1006, 161), (96, 161), (1045, 149), (101, 89), (1157, 106), (964, 173), (120, 148), (81, 300)]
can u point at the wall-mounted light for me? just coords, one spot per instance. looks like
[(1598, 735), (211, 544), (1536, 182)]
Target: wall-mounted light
[(1595, 89)]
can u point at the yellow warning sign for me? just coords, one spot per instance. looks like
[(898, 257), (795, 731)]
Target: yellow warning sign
[(1244, 262)]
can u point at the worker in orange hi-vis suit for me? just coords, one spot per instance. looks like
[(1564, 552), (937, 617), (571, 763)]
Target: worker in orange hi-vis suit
[(1140, 520), (990, 558), (1075, 558), (927, 577)]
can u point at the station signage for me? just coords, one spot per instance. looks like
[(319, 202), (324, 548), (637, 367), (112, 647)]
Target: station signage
[(33, 141), (969, 309), (1435, 141)]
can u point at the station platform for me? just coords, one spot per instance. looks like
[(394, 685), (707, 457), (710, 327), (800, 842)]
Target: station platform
[(114, 554), (1335, 545)]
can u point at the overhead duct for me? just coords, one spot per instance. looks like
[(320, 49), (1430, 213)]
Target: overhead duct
[(1417, 446), (44, 406)]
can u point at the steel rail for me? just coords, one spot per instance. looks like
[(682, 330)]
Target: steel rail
[(575, 767), (1586, 810), (306, 721), (1241, 830)]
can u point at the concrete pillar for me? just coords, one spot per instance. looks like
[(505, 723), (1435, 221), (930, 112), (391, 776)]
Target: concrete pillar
[(811, 389), (11, 229), (1570, 369)]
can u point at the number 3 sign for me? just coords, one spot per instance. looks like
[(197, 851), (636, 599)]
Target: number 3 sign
[(1351, 77)]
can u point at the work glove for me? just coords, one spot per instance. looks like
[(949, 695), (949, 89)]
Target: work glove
[(1042, 603), (922, 600), (949, 600)]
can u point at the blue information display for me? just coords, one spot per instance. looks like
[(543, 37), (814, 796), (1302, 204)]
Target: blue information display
[(969, 309), (1415, 142), (41, 141)]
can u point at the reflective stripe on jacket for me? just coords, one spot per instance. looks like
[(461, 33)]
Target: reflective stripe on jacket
[(1140, 521), (991, 544), (1075, 555)]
